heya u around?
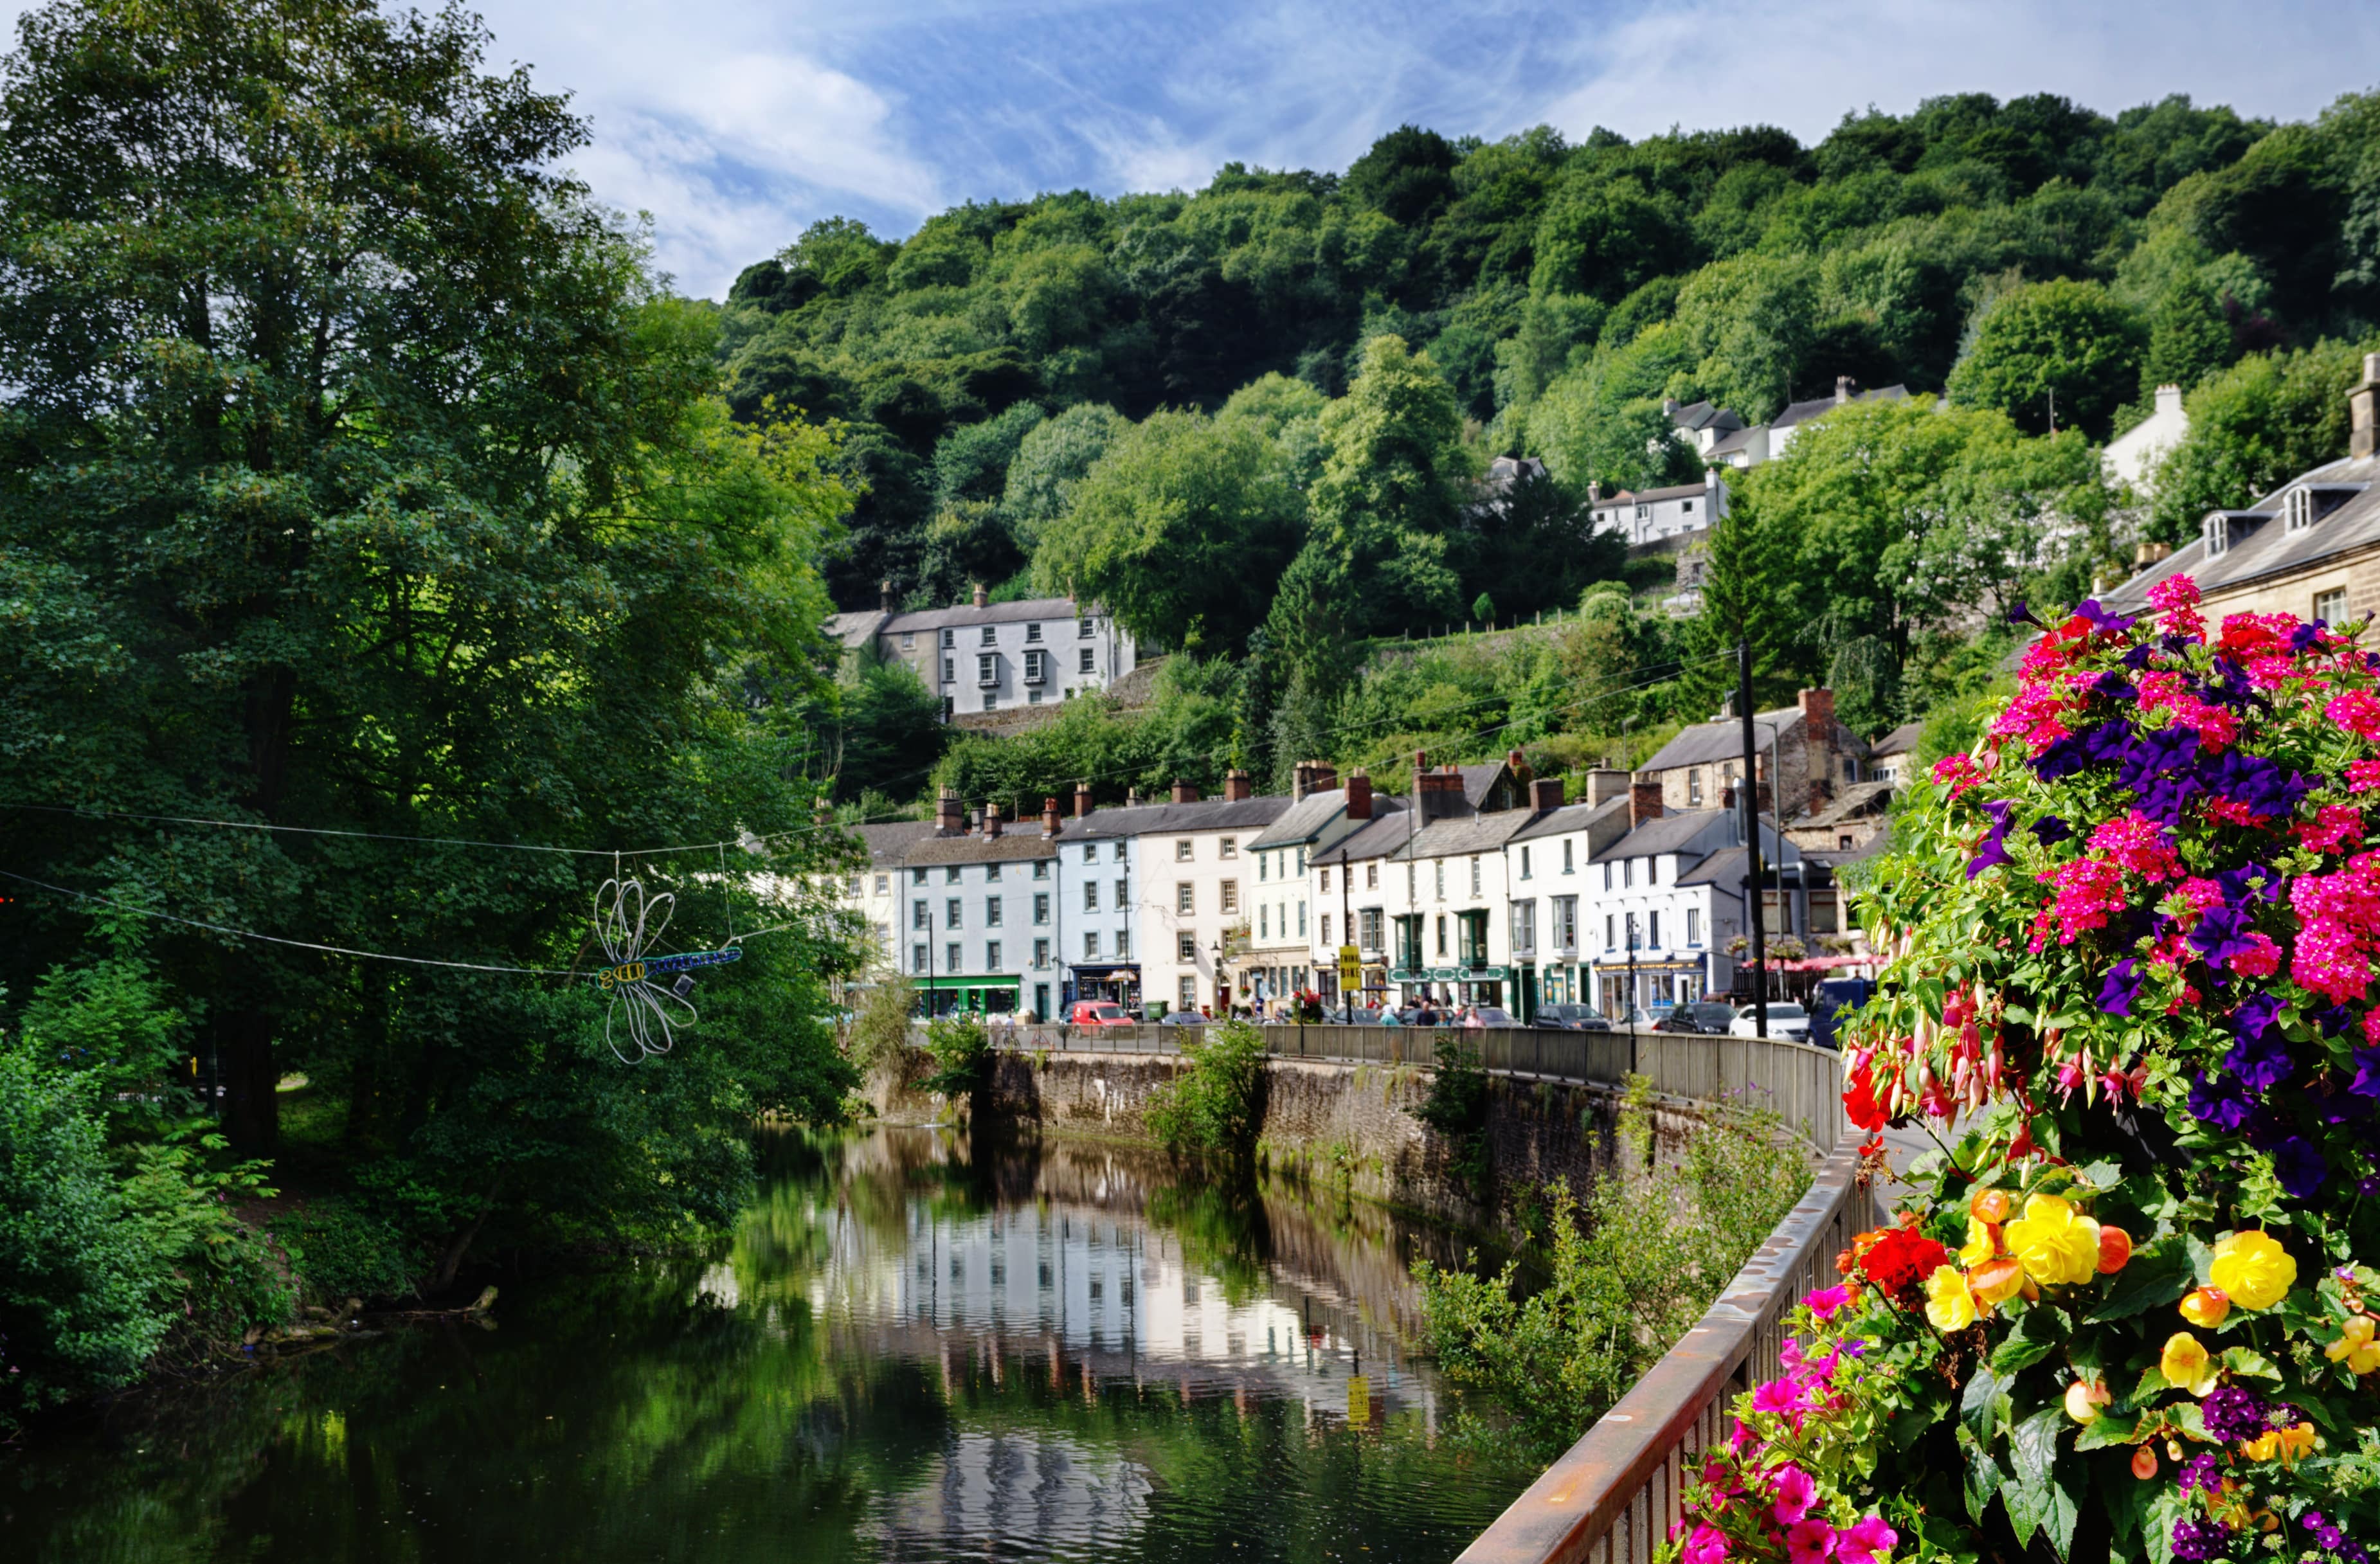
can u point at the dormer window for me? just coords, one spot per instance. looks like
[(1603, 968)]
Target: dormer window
[(2218, 535), (2297, 510)]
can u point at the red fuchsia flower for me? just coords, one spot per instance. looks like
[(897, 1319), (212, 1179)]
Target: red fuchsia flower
[(2356, 710), (2139, 843), (2088, 890), (1796, 1491), (2176, 597), (1867, 1540), (1810, 1542)]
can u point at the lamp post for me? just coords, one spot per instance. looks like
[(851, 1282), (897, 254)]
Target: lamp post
[(1760, 942)]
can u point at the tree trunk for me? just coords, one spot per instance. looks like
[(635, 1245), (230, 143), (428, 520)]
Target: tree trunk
[(251, 1109), (452, 1261)]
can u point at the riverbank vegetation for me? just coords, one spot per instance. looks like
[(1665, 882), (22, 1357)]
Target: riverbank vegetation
[(1627, 1270), (1215, 1105)]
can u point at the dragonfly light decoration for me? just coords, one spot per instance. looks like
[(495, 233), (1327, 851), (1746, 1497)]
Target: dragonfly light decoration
[(627, 925)]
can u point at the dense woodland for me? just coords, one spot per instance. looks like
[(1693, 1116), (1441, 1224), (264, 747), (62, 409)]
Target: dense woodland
[(1250, 416)]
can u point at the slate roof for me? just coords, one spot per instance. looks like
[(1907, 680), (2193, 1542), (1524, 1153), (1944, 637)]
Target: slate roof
[(886, 843), (1900, 741), (1570, 818), (1149, 819), (1726, 867), (856, 630), (1305, 819), (2350, 486), (1385, 837), (1727, 444), (1472, 834), (1858, 800), (1801, 412), (1639, 496), (1673, 833), (1003, 848), (1702, 415), (992, 613), (1720, 740)]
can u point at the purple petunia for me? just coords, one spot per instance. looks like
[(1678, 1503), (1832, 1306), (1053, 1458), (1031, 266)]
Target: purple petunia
[(2262, 1062), (2050, 830), (2255, 1016), (2300, 1166), (2220, 1101), (1993, 849), (2121, 987), (2100, 619), (2367, 1072)]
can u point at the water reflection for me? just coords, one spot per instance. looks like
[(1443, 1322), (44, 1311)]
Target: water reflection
[(907, 1352)]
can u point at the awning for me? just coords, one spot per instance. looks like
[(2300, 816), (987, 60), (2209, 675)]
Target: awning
[(1450, 974), (1106, 969), (1624, 965), (946, 985)]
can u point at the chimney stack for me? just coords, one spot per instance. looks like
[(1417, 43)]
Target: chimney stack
[(1185, 793), (948, 819), (1050, 826), (1359, 794), (1546, 795), (982, 595), (1236, 786), (1644, 803), (1082, 800), (991, 821), (1132, 798), (1594, 491), (2363, 411), (1817, 708), (2168, 399), (884, 594), (1518, 764), (1604, 786), (1438, 794), (1843, 384)]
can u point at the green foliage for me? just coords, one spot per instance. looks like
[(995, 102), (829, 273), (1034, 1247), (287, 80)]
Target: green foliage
[(1185, 732), (880, 1027), (1457, 1109), (340, 1251), (1215, 1105), (1628, 1271), (962, 1051), (2062, 350)]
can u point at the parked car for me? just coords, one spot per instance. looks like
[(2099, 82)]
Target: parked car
[(1182, 1018), (1488, 1016), (1706, 1017), (1786, 1019), (1836, 998), (1099, 1013), (1567, 1017)]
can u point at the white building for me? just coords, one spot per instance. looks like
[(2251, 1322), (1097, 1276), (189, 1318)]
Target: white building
[(2132, 455), (988, 656), (875, 893), (1551, 861), (1279, 959), (1797, 415), (1662, 902), (1649, 516), (980, 925)]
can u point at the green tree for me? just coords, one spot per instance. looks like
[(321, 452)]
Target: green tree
[(1052, 458), (2189, 337), (2064, 341), (1173, 526)]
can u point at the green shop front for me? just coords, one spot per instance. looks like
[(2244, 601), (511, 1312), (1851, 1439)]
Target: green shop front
[(991, 994)]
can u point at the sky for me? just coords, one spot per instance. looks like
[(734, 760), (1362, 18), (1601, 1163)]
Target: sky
[(735, 122)]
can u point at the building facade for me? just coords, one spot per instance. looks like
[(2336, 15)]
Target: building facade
[(984, 656), (1652, 515), (979, 917), (1818, 757)]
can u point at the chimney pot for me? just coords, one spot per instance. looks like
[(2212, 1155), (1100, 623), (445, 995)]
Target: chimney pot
[(1359, 794), (1644, 803), (2168, 399), (982, 595), (1605, 784), (948, 819), (1050, 826), (1132, 798), (1236, 787), (1546, 795), (2363, 411), (1185, 793), (884, 594)]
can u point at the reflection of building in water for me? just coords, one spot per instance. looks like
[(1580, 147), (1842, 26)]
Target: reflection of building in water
[(1075, 1293), (1020, 1487)]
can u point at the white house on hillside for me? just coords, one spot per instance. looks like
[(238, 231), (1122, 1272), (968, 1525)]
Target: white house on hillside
[(2132, 455), (987, 656)]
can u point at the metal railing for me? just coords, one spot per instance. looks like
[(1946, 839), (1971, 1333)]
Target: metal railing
[(1801, 1083)]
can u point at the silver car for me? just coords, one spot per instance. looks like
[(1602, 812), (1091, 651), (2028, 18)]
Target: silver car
[(1786, 1019)]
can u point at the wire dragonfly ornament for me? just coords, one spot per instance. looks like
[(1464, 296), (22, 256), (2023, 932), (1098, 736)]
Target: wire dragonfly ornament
[(627, 925)]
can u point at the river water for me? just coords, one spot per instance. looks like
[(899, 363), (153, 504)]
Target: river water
[(907, 1352)]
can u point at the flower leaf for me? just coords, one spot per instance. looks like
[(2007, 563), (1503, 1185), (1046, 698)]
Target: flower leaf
[(2159, 1272)]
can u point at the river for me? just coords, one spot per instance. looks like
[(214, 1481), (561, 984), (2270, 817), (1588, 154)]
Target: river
[(907, 1352)]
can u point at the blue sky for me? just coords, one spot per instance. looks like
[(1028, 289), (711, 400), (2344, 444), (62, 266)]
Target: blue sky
[(735, 122)]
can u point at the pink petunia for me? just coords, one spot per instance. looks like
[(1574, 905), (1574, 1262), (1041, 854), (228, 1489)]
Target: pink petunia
[(1796, 1491), (1828, 1303), (1867, 1540), (1708, 1546), (1739, 1439), (1777, 1395), (1810, 1542)]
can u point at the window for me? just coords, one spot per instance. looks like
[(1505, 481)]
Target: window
[(991, 955), (1301, 920), (1033, 632), (1083, 628), (991, 871), (1123, 894), (1185, 898), (1475, 875), (1230, 893), (1565, 928), (1185, 850), (2297, 509), (990, 701), (1264, 866), (1473, 937), (851, 885), (1438, 866), (1524, 928), (1652, 871), (1041, 908), (1264, 920), (908, 640), (1412, 875), (1088, 665), (1228, 847), (1326, 881), (951, 918), (1188, 994), (1119, 853), (1326, 928), (1844, 842), (919, 959), (950, 956), (1371, 877), (1090, 853), (1370, 926), (916, 877), (1686, 508), (1041, 868), (1032, 668), (2218, 535), (1090, 945), (991, 911), (1694, 786), (1653, 929), (1694, 925), (987, 667), (950, 704), (1568, 867), (884, 884), (1441, 934), (1123, 944), (1524, 863), (1185, 948), (1301, 860), (950, 639), (2331, 606), (1610, 932), (1627, 873), (989, 637), (1091, 895), (918, 916), (1606, 874), (950, 669), (1041, 954), (951, 874)]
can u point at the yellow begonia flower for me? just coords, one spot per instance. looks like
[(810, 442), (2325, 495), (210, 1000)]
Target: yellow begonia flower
[(2355, 1345), (1996, 1281), (2253, 1270), (2289, 1444), (2185, 1364), (2206, 1307), (1981, 1242), (2058, 1245), (1948, 1304)]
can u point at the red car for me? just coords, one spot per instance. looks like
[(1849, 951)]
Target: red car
[(1099, 1013)]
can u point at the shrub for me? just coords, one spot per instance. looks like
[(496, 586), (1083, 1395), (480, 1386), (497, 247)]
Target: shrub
[(879, 1029), (962, 1054), (1216, 1105), (340, 1252), (1457, 1108), (1628, 1273)]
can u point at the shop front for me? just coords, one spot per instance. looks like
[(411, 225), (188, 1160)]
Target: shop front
[(1452, 985), (979, 996), (1119, 981), (1658, 987)]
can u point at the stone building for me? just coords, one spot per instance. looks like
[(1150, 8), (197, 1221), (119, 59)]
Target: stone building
[(984, 656), (1820, 758)]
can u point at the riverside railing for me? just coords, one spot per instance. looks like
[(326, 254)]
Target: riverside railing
[(1613, 1497)]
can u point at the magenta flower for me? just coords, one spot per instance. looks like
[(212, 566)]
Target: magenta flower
[(1828, 1303), (1777, 1395), (2138, 843), (1708, 1546), (2362, 776), (1866, 1541), (1796, 1491), (2358, 711), (1810, 1542)]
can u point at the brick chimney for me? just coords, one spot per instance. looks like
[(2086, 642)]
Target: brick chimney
[(1817, 708), (1545, 794), (949, 820), (1236, 786), (2363, 411), (1518, 765), (1082, 800), (1603, 786), (1438, 793), (884, 594), (1644, 803), (991, 821), (1050, 826), (1304, 779), (1359, 794), (982, 595), (1185, 793)]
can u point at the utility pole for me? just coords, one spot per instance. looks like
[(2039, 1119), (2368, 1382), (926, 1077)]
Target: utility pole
[(1757, 892), (1347, 933)]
